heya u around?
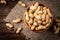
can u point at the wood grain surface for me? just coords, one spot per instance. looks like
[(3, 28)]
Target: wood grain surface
[(14, 10)]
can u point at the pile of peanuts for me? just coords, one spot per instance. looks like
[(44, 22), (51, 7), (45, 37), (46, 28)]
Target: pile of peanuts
[(38, 17)]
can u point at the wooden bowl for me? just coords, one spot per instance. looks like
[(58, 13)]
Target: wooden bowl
[(42, 30)]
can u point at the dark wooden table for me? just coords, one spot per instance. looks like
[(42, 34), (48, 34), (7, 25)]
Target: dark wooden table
[(26, 34)]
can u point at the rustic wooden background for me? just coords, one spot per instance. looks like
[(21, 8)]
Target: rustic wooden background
[(14, 10)]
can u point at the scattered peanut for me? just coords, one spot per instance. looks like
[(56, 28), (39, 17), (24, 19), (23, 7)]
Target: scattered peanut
[(24, 5), (20, 2), (3, 1), (18, 30), (16, 20), (9, 25), (57, 30)]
